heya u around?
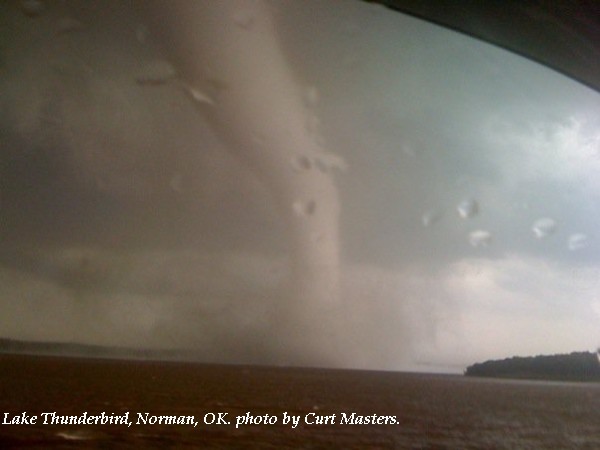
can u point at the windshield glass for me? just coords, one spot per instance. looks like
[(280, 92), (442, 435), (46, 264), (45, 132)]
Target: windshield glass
[(317, 182)]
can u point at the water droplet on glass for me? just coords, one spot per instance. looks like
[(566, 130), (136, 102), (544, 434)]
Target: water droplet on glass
[(302, 209), (577, 241), (243, 19), (467, 209), (311, 96), (198, 96), (480, 238), (157, 71), (301, 163), (32, 8), (431, 217), (543, 227)]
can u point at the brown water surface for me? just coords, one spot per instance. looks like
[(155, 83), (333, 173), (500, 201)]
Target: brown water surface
[(432, 411)]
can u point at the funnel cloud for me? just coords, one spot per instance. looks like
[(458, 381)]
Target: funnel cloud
[(303, 183)]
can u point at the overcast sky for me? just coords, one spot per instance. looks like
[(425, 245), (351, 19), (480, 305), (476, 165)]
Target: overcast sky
[(470, 206)]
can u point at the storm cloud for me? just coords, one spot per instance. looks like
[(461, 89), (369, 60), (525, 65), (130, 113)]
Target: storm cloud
[(469, 199)]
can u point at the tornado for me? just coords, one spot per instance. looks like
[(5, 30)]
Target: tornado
[(229, 60)]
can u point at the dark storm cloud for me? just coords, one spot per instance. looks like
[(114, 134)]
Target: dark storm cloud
[(122, 187)]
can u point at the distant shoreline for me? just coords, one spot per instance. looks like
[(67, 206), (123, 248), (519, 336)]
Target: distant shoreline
[(19, 347), (576, 366), (68, 349)]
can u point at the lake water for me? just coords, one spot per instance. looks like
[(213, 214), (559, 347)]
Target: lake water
[(431, 411)]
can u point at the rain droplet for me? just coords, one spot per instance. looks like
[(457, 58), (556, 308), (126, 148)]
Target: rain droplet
[(243, 19), (480, 238), (154, 72), (302, 209), (311, 96), (577, 241), (467, 209), (32, 8), (543, 227), (431, 217), (301, 163), (198, 96)]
